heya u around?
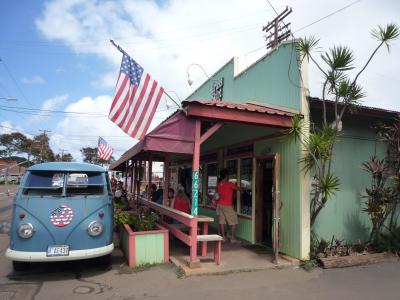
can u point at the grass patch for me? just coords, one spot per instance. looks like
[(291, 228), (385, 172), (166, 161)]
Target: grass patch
[(309, 265), (180, 272)]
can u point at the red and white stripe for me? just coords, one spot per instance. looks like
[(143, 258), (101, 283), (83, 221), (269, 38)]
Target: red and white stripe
[(105, 151), (133, 107)]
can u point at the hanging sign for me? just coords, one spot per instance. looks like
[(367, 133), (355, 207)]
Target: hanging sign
[(218, 89)]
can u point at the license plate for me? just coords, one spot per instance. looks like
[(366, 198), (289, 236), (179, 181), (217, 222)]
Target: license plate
[(58, 250)]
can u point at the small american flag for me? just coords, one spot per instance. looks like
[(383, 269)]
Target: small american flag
[(136, 98), (104, 150)]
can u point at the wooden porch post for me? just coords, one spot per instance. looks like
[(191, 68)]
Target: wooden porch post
[(126, 174), (149, 175), (195, 168), (134, 175), (166, 180)]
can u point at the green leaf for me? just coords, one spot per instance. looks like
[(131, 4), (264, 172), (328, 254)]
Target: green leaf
[(306, 45), (329, 185), (386, 34), (339, 58)]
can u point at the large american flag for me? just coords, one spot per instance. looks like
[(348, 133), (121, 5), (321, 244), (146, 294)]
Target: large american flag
[(104, 150), (136, 98)]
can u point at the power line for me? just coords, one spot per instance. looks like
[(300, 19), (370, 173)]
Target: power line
[(327, 16), (47, 112), (14, 80), (310, 24), (124, 38)]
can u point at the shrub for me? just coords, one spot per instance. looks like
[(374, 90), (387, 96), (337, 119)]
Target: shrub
[(387, 242)]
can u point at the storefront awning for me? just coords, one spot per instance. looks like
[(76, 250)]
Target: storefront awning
[(176, 134)]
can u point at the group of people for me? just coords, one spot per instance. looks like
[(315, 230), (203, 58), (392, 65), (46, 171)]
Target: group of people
[(223, 197), (178, 201)]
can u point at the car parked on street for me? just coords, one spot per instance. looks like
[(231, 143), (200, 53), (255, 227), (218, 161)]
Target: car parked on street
[(63, 211)]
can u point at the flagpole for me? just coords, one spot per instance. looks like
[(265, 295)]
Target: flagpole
[(121, 50)]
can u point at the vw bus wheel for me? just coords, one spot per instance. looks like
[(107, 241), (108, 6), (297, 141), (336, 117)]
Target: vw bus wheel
[(105, 260), (20, 265)]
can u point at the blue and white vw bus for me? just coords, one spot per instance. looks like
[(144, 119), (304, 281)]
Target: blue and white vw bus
[(62, 211)]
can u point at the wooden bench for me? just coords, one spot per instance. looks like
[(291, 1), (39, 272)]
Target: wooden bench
[(217, 247)]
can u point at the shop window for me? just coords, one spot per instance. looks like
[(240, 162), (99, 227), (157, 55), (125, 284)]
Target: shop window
[(212, 176), (232, 166), (246, 175)]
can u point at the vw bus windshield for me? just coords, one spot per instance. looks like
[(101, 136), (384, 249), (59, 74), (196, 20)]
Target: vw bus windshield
[(43, 183), (90, 183)]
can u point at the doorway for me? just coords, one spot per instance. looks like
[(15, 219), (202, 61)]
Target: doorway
[(268, 204), (264, 201)]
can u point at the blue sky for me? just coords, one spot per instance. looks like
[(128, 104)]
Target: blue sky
[(59, 54)]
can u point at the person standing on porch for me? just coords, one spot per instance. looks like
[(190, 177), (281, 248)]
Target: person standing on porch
[(227, 214), (181, 201)]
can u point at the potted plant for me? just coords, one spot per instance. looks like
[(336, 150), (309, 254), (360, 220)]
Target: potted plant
[(142, 239)]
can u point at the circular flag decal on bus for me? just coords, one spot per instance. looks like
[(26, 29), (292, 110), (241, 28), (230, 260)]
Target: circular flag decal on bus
[(61, 216)]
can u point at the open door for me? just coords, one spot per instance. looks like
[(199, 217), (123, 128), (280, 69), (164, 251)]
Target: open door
[(277, 206), (267, 204)]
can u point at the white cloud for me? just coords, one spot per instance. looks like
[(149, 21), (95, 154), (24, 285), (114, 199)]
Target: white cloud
[(60, 70), (37, 79), (76, 131), (49, 104), (166, 38), (7, 127)]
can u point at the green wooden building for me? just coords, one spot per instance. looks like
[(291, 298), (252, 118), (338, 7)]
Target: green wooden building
[(260, 156)]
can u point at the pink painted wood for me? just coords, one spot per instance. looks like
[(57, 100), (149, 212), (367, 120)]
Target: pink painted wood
[(186, 219), (204, 244), (166, 180), (132, 246)]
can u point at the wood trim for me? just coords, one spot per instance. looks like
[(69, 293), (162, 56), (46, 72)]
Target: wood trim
[(201, 111), (246, 217), (210, 132)]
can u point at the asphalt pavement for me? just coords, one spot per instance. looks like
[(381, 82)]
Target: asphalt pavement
[(88, 280)]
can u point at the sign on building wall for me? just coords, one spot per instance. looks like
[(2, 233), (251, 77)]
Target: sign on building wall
[(218, 89)]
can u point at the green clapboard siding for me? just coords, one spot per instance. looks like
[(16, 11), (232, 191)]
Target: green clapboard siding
[(290, 191), (342, 217), (266, 81), (149, 249), (243, 230)]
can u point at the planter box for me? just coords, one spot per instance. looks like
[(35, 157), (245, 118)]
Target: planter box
[(350, 261), (144, 247)]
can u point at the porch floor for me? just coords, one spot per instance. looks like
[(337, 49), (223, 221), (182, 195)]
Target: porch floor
[(234, 258)]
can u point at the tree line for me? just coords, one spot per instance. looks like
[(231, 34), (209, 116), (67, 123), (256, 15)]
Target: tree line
[(18, 147)]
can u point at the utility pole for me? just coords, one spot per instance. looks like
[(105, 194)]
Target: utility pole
[(42, 144), (275, 32), (62, 153)]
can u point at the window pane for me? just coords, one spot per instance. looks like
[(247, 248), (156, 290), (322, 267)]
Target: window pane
[(211, 182), (246, 174), (85, 184), (232, 166), (44, 183)]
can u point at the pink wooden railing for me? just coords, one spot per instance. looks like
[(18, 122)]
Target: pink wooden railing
[(186, 219)]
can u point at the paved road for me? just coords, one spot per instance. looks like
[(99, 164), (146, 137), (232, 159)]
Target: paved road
[(86, 280)]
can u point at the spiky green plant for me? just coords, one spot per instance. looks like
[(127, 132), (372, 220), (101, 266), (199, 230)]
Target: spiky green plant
[(346, 94)]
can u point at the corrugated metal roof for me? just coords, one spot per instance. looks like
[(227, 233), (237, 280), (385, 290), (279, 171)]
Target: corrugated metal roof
[(365, 108), (250, 107)]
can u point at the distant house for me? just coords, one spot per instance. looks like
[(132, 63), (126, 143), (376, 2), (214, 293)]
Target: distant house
[(11, 169)]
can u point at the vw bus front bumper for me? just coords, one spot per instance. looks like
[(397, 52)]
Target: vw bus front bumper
[(73, 254)]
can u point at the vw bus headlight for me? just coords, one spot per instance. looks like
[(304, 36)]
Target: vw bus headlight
[(95, 228), (25, 230)]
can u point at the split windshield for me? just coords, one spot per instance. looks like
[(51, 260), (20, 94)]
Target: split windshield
[(43, 183)]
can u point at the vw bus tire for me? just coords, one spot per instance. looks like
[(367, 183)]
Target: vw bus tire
[(104, 261), (20, 265)]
